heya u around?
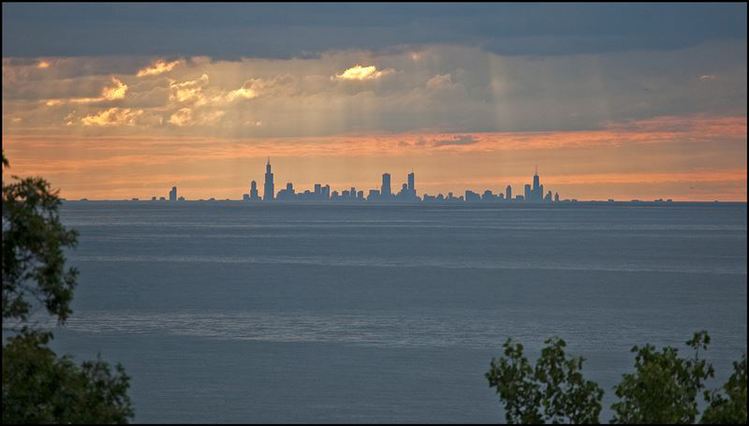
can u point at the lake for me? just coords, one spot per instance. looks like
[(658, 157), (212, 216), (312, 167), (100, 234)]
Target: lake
[(239, 312)]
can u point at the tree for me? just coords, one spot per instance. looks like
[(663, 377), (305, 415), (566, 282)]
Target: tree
[(664, 387), (552, 392), (33, 258), (731, 407), (39, 387)]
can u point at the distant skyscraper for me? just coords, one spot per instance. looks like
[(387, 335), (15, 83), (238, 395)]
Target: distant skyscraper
[(411, 183), (527, 194), (556, 197), (268, 189), (471, 196), (385, 190), (253, 191), (508, 193), (173, 194), (537, 192), (318, 191)]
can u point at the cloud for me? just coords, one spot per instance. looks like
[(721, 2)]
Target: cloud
[(186, 117), (255, 87), (108, 93), (158, 67), (302, 30), (440, 81), (115, 92), (43, 64), (456, 140), (247, 91), (296, 97), (707, 77), (189, 90), (358, 72), (112, 117), (182, 117)]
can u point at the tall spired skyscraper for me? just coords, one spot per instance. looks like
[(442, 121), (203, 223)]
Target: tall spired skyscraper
[(537, 189), (268, 189)]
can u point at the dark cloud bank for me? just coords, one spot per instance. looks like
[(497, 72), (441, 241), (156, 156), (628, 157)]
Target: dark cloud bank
[(300, 30)]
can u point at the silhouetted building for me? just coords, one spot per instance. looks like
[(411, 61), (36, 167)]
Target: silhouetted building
[(532, 192), (253, 191), (269, 187), (173, 194), (471, 196), (318, 191), (385, 189), (556, 197), (287, 193)]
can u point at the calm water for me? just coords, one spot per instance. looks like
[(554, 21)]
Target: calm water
[(228, 312)]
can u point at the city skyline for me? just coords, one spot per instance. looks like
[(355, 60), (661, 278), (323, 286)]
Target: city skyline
[(470, 96), (533, 193)]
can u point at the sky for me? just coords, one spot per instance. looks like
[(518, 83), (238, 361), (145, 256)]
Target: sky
[(623, 101)]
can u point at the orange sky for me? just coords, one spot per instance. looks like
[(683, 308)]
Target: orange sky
[(117, 128), (704, 160)]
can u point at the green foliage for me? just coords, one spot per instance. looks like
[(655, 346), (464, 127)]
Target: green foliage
[(513, 378), (730, 407), (39, 387), (664, 386), (33, 258), (552, 392)]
